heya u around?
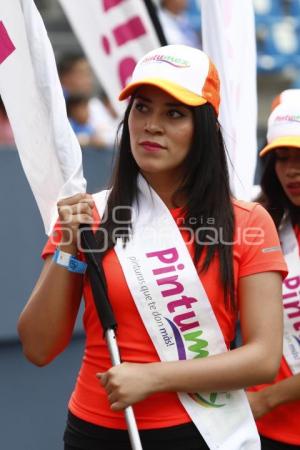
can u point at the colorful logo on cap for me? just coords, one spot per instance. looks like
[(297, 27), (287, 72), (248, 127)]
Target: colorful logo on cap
[(179, 63), (288, 118)]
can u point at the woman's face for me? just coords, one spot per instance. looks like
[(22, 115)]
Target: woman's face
[(161, 131), (287, 168)]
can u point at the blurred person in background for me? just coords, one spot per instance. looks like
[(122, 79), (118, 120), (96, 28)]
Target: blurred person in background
[(76, 78), (6, 133), (176, 25), (276, 406), (78, 114)]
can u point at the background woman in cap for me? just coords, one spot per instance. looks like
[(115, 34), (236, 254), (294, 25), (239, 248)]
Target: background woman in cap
[(193, 258), (276, 406)]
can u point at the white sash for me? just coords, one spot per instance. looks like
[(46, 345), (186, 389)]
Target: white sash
[(291, 298), (178, 316)]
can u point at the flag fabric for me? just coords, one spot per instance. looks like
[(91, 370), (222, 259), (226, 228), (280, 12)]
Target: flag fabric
[(29, 86), (228, 33), (114, 35)]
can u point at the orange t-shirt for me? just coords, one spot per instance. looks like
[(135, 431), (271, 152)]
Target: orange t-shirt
[(89, 400), (282, 423)]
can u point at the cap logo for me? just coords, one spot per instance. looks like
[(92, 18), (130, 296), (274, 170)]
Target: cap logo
[(175, 62), (288, 118)]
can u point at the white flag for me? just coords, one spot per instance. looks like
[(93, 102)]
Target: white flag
[(114, 34), (228, 31), (32, 94)]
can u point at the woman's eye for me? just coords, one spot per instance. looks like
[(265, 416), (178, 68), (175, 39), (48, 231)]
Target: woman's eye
[(175, 114), (141, 107)]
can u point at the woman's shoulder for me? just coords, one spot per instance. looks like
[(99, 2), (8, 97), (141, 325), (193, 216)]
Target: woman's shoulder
[(245, 212), (240, 205)]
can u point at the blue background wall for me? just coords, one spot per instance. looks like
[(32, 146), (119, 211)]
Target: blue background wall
[(33, 401)]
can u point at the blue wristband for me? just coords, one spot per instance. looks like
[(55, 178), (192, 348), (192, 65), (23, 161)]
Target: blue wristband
[(68, 261)]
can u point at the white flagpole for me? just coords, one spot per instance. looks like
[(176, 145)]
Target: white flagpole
[(228, 31), (29, 86)]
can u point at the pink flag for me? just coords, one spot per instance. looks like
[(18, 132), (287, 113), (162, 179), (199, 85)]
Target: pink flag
[(114, 34)]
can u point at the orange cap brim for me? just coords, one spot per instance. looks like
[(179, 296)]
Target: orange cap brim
[(179, 93), (284, 141)]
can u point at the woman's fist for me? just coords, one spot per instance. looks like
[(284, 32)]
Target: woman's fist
[(74, 211)]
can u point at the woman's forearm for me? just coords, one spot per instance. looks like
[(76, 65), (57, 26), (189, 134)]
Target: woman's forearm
[(284, 391), (256, 362), (46, 323), (129, 383), (245, 366), (265, 400)]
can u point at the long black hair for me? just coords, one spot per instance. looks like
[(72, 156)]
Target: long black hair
[(273, 197), (205, 185)]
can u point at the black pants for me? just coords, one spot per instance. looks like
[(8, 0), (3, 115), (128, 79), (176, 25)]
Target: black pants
[(82, 435), (269, 444)]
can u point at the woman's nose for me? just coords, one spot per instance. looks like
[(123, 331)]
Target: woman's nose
[(153, 125), (293, 168)]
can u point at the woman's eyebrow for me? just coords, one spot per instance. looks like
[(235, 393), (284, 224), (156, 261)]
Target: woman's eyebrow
[(141, 97), (176, 104), (169, 104)]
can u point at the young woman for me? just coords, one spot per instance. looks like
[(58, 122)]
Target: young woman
[(188, 259), (276, 406)]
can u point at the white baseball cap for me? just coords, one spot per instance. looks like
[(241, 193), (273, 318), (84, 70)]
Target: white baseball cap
[(283, 127), (286, 96), (185, 73)]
